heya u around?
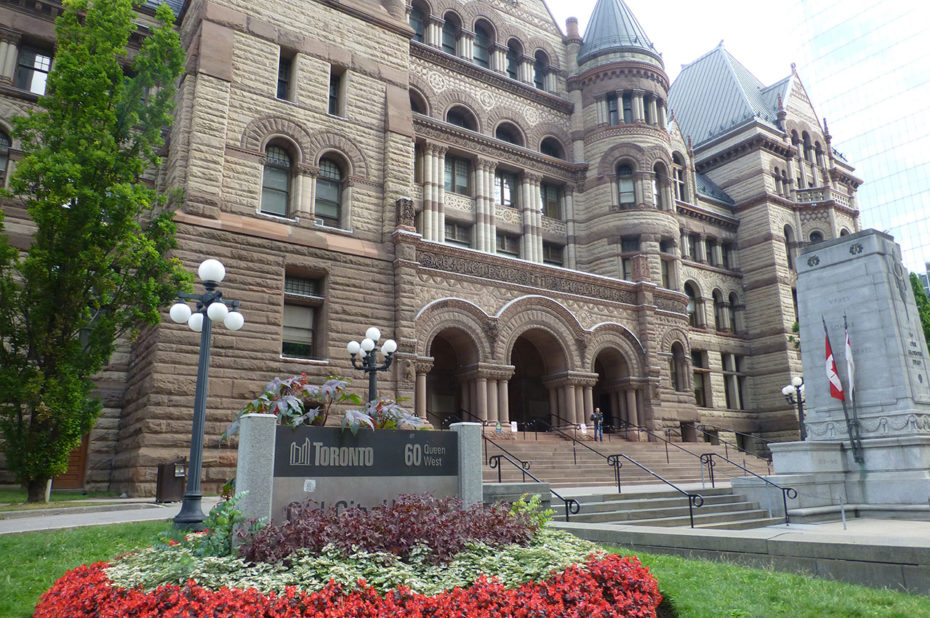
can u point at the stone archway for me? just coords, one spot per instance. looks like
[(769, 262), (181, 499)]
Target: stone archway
[(453, 351), (538, 360), (612, 388)]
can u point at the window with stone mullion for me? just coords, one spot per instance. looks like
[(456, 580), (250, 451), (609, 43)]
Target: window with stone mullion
[(276, 182), (328, 203), (457, 177), (551, 200)]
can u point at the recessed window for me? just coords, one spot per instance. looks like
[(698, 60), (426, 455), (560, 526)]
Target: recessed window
[(418, 103), (285, 76), (303, 305), (458, 234), (551, 147), (450, 34), (665, 266), (733, 380), (718, 310), (417, 21), (678, 165), (276, 181), (552, 254), (508, 244), (551, 200), (328, 204), (700, 378), (514, 58), (32, 69), (462, 117), (692, 305), (731, 309), (677, 367), (816, 236), (505, 188), (458, 175), (482, 46), (627, 108), (540, 70), (613, 113), (5, 144), (625, 187), (509, 133), (336, 104)]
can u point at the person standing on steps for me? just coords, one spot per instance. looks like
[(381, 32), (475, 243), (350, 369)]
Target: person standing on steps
[(598, 418)]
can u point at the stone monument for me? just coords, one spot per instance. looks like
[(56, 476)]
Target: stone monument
[(876, 451)]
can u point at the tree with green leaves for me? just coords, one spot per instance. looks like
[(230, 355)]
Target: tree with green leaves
[(923, 305), (97, 267)]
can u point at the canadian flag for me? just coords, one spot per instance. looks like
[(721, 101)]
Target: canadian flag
[(836, 387)]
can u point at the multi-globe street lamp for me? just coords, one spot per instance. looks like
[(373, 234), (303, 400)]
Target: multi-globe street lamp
[(369, 362), (211, 307), (794, 394)]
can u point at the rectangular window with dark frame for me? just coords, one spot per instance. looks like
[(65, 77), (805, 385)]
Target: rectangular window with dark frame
[(553, 254), (551, 200), (32, 68), (733, 380), (505, 188), (458, 234), (285, 76), (508, 244), (628, 246), (666, 276), (613, 115), (458, 175), (303, 309), (701, 378), (335, 92), (627, 108)]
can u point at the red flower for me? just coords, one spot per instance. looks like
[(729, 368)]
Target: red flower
[(610, 586)]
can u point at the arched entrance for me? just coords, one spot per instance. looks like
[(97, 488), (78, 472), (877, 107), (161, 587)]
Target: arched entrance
[(613, 379), (452, 350), (536, 356)]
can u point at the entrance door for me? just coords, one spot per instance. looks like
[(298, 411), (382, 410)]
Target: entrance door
[(73, 477)]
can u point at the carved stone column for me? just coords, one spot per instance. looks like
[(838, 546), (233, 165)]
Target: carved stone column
[(638, 106), (9, 50), (434, 31), (422, 368)]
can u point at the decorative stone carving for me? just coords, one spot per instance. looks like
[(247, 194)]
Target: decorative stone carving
[(405, 214)]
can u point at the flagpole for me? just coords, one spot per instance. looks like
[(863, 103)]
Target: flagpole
[(855, 437)]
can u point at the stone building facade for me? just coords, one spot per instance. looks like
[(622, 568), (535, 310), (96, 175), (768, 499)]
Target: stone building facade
[(541, 221)]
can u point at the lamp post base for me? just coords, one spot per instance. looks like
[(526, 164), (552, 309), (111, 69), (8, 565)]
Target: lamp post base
[(191, 516)]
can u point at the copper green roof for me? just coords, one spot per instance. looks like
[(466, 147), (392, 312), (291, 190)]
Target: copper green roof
[(613, 27), (716, 94)]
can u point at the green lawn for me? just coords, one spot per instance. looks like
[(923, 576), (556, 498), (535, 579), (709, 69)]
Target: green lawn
[(33, 561), (16, 498)]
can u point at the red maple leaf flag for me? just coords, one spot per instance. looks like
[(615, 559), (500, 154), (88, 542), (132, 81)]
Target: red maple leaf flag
[(836, 387)]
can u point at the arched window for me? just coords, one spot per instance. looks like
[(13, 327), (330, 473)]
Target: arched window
[(777, 176), (818, 150), (681, 185), (5, 143), (509, 133), (719, 322), (692, 306), (276, 181), (462, 117), (844, 232), (482, 47), (514, 58), (625, 187), (418, 103), (328, 205), (678, 367), (808, 147), (789, 240), (417, 20), (450, 34), (540, 70), (816, 236), (734, 302), (552, 147), (659, 182)]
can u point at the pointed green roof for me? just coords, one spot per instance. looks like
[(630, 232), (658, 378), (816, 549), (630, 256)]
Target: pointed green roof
[(716, 94), (613, 27)]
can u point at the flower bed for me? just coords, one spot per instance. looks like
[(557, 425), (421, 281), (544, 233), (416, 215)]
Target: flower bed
[(606, 586), (420, 556)]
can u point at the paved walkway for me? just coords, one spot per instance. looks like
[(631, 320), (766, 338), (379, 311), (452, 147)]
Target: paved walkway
[(106, 512)]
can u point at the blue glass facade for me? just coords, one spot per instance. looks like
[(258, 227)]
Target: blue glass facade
[(866, 64)]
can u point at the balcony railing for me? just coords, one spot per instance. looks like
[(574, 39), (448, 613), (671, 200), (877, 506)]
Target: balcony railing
[(822, 194)]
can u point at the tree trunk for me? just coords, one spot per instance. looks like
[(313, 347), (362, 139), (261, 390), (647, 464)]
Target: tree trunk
[(37, 490)]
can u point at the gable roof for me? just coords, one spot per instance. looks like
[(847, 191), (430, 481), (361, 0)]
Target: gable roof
[(716, 93), (613, 27)]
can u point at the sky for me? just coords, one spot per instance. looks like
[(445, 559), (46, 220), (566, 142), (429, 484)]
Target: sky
[(684, 30)]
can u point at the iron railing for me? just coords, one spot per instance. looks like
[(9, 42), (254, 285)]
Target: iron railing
[(572, 506), (786, 492)]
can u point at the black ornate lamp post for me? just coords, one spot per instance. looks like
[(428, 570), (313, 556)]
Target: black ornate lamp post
[(211, 307), (369, 362), (794, 394)]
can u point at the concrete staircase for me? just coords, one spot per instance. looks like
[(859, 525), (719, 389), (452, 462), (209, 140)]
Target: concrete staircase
[(555, 460), (667, 508)]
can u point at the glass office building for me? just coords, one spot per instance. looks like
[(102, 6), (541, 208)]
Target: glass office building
[(866, 63)]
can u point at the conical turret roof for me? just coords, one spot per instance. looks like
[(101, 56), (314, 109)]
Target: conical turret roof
[(613, 27)]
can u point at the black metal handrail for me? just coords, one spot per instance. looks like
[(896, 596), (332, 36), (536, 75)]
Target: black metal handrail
[(694, 500), (658, 437), (572, 507), (523, 464), (458, 417), (614, 460), (786, 492), (764, 441)]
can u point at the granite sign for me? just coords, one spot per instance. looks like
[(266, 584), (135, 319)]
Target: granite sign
[(335, 468)]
